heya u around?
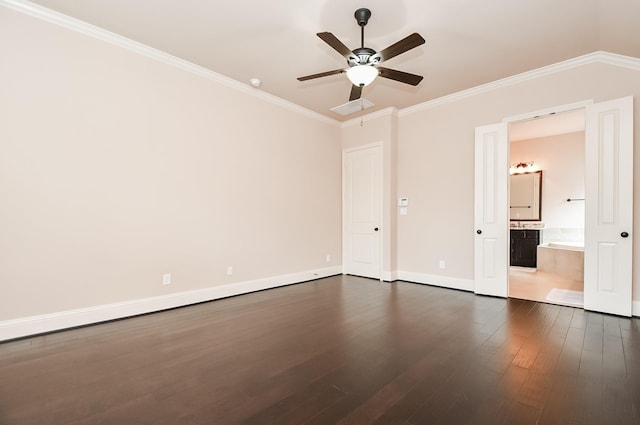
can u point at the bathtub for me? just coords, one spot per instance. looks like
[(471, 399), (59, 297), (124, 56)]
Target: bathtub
[(576, 246), (565, 259)]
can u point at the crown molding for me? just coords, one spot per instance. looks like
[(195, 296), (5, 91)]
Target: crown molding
[(621, 61), (87, 29), (101, 34), (595, 57)]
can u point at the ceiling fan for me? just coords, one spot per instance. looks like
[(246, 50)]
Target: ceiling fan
[(363, 61)]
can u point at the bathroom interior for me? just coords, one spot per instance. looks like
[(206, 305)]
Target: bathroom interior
[(546, 209)]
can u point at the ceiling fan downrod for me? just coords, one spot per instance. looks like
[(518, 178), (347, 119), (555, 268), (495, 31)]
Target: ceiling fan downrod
[(362, 54), (362, 16)]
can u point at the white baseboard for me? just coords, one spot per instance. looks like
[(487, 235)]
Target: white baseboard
[(17, 328), (444, 281), (388, 276), (33, 325)]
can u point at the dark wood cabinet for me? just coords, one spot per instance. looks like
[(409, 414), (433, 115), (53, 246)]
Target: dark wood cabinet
[(524, 247)]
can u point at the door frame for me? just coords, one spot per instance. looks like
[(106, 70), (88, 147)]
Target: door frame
[(547, 112), (345, 153), (590, 231)]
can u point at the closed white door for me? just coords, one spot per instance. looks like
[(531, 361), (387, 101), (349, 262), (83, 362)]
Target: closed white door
[(609, 207), (362, 211), (491, 262)]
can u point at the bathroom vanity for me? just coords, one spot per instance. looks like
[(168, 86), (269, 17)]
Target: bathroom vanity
[(525, 203), (524, 247)]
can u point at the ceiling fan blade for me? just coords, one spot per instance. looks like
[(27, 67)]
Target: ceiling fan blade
[(403, 77), (407, 43), (337, 45), (321, 74), (356, 92)]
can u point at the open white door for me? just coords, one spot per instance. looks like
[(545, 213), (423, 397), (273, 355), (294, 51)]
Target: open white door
[(362, 206), (609, 207), (491, 260)]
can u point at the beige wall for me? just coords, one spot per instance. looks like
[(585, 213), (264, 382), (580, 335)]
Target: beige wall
[(116, 168), (561, 159), (435, 161)]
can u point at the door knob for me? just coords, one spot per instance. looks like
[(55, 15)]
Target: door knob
[(624, 234), (376, 229), (479, 231)]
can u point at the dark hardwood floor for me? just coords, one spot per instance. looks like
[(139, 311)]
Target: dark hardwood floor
[(341, 350)]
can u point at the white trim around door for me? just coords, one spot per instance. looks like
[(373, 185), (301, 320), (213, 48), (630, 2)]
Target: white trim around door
[(609, 205)]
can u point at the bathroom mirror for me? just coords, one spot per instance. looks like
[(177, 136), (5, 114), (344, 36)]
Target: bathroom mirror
[(525, 197)]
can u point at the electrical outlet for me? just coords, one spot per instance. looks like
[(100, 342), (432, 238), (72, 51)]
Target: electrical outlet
[(328, 258), (441, 263), (166, 279), (229, 270)]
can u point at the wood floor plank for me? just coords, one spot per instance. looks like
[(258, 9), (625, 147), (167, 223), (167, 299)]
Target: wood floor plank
[(341, 350)]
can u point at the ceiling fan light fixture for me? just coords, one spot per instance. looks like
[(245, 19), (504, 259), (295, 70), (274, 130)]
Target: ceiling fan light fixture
[(362, 75), (363, 60)]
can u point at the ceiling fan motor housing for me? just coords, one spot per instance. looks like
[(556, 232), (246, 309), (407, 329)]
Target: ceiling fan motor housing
[(363, 56)]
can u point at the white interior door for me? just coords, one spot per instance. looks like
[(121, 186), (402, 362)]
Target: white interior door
[(609, 207), (362, 206), (491, 260)]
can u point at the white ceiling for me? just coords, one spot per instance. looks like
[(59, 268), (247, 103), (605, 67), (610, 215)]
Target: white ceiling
[(550, 125), (469, 42)]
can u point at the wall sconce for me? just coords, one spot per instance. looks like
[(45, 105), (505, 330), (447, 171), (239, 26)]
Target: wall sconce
[(522, 167)]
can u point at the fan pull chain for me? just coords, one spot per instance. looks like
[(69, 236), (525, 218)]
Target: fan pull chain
[(361, 113)]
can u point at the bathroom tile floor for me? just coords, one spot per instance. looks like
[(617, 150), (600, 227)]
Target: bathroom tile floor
[(534, 285)]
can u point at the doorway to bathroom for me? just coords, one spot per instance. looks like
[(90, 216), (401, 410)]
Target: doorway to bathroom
[(608, 207), (547, 208)]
